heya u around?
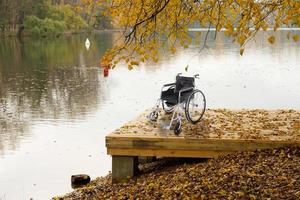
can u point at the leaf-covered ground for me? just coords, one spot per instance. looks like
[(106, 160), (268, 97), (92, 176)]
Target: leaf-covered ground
[(257, 124), (266, 174)]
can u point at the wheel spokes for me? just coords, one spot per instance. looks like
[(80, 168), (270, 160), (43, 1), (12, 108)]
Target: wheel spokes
[(196, 106)]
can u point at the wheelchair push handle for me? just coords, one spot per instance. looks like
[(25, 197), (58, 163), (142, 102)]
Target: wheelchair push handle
[(195, 76)]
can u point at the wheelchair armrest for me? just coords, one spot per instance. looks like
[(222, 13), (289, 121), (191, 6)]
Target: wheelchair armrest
[(169, 84), (184, 90)]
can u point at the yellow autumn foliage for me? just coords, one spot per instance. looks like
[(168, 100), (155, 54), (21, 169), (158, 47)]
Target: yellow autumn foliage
[(151, 24), (134, 63)]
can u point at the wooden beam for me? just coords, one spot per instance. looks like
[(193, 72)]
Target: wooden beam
[(166, 153), (162, 146)]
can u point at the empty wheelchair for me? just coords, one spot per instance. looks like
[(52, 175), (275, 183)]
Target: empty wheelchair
[(178, 97)]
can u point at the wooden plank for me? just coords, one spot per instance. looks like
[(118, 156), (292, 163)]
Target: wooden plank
[(177, 138), (166, 153), (193, 144)]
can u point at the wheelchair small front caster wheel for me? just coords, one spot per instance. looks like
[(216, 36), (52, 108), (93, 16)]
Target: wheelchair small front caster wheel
[(153, 116), (177, 128)]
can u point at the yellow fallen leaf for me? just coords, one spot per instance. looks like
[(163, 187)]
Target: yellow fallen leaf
[(222, 192), (130, 67), (252, 197), (240, 193), (173, 50), (271, 39)]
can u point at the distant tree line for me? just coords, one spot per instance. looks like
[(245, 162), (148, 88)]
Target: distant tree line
[(45, 17)]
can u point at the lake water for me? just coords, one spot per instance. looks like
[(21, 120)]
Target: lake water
[(56, 106)]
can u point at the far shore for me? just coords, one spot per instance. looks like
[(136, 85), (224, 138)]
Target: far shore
[(14, 33), (66, 33)]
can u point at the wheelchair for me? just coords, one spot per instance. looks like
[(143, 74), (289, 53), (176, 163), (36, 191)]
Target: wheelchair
[(178, 97)]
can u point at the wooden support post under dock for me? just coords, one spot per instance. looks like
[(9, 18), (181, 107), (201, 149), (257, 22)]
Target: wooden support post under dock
[(124, 167)]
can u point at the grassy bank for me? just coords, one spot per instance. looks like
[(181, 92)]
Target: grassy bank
[(267, 174)]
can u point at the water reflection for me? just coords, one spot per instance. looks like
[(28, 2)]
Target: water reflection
[(47, 79)]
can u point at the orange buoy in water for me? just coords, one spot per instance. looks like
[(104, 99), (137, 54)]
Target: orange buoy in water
[(105, 71)]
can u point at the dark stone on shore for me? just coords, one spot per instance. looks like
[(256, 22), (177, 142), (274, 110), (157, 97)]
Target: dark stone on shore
[(80, 180)]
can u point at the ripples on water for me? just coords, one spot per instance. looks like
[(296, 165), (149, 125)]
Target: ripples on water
[(56, 107)]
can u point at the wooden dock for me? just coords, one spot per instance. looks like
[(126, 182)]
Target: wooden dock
[(132, 145), (220, 133)]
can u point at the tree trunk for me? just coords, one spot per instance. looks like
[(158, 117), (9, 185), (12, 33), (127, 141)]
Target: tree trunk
[(20, 31)]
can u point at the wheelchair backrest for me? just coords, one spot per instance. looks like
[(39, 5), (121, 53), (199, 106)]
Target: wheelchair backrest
[(184, 82)]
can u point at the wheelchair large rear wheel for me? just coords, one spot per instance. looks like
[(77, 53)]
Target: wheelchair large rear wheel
[(195, 106)]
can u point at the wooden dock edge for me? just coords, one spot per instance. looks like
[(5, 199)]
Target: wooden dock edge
[(125, 149), (137, 145)]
